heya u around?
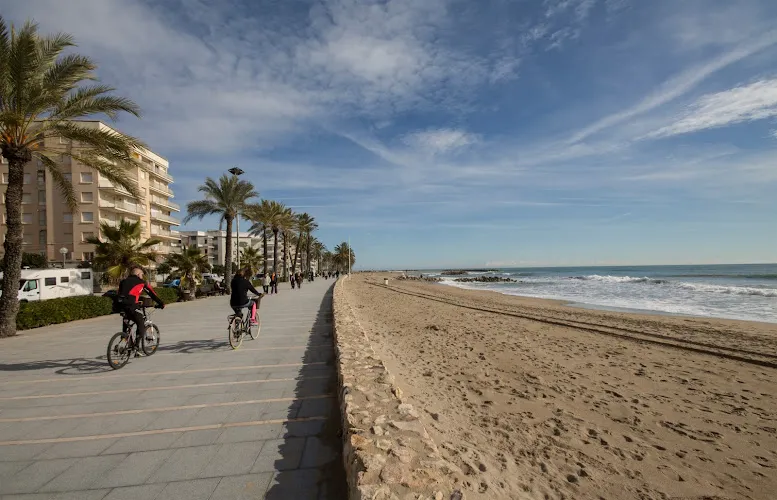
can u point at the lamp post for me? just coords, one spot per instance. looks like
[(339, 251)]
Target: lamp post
[(236, 172), (63, 251)]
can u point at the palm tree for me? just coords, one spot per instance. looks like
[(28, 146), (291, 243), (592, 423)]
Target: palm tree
[(260, 214), (286, 225), (251, 258), (312, 226), (318, 252), (122, 248), (268, 215), (303, 225), (190, 264), (342, 255), (41, 93), (226, 198)]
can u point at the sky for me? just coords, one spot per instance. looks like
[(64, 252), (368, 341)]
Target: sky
[(445, 133)]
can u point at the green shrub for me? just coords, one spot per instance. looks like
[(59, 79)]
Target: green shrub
[(55, 311), (168, 295), (256, 283)]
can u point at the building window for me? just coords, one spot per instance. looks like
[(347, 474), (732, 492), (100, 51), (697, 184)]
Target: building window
[(42, 238), (67, 217), (87, 197), (86, 235), (26, 198), (86, 177), (86, 275), (64, 279), (42, 217), (41, 177), (87, 257), (51, 281), (26, 218), (26, 178), (42, 197), (5, 178), (68, 177), (87, 216)]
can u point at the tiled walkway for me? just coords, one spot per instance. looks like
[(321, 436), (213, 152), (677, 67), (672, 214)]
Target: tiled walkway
[(196, 420)]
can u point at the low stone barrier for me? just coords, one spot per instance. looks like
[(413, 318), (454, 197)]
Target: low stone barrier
[(387, 452)]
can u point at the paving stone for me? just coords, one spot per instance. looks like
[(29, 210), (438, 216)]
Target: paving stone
[(232, 459), (76, 449), (198, 489), (247, 487), (144, 492), (279, 455), (31, 478), (84, 473), (134, 470), (184, 464)]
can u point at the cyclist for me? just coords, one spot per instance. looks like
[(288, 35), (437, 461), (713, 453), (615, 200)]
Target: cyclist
[(239, 299), (129, 292)]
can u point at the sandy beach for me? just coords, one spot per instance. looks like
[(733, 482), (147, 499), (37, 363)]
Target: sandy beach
[(533, 399)]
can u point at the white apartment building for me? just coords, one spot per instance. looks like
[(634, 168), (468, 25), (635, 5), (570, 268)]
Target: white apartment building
[(213, 243), (49, 225)]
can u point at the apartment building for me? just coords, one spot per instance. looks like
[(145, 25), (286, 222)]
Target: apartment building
[(213, 243), (50, 225)]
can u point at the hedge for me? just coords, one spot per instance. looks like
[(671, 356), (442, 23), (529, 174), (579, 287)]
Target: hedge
[(55, 311), (168, 295)]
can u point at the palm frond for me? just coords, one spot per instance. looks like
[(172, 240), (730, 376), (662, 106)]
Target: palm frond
[(65, 186)]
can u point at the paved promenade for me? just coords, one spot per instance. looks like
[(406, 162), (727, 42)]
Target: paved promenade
[(196, 420)]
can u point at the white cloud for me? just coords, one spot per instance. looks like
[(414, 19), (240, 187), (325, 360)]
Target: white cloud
[(756, 101), (442, 140), (677, 86)]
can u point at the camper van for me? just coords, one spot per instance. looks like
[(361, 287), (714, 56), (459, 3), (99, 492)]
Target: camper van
[(44, 284)]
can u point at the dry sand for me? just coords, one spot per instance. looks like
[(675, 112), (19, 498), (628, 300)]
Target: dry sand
[(531, 409)]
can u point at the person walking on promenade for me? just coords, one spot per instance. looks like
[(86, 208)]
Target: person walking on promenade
[(292, 279), (266, 282), (299, 280), (274, 283)]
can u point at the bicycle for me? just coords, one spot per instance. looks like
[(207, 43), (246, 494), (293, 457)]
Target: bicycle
[(124, 344), (239, 326)]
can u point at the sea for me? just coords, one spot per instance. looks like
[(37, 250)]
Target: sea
[(742, 291)]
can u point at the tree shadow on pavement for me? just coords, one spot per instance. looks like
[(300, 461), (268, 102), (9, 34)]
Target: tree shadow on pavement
[(75, 366), (194, 346), (310, 461)]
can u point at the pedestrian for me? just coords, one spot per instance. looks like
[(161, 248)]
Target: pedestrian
[(266, 282), (292, 279), (299, 280), (274, 283)]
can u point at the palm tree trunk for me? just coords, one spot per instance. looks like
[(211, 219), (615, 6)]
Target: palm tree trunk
[(275, 252), (264, 238), (228, 257), (285, 252), (307, 253), (296, 255), (12, 260)]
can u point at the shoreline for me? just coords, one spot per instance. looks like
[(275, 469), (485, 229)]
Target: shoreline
[(532, 397), (600, 307)]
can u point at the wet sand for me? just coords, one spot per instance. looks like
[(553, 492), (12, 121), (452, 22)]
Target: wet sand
[(551, 402)]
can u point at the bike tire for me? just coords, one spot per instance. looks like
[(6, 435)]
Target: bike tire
[(253, 330), (119, 351), (235, 333), (150, 346)]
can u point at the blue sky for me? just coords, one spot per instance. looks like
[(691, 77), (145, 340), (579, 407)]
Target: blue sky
[(464, 133)]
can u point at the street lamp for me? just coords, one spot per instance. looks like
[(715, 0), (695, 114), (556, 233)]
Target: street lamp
[(236, 172), (63, 251)]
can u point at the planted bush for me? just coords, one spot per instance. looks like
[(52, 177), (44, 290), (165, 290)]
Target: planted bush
[(168, 295), (55, 311)]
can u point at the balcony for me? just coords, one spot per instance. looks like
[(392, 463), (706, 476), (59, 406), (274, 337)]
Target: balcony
[(111, 223), (123, 206), (164, 202), (163, 248), (108, 185), (165, 233), (160, 188), (156, 215), (161, 173)]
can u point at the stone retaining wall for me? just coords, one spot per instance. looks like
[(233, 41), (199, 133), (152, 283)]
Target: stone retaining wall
[(387, 452)]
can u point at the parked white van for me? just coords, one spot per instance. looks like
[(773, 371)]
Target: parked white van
[(44, 284)]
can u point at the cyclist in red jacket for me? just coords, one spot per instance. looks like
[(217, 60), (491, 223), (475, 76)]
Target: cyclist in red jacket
[(129, 293)]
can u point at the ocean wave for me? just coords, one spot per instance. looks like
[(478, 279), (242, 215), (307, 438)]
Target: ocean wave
[(729, 290), (620, 279), (729, 276)]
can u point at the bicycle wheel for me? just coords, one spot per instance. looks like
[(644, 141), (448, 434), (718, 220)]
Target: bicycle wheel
[(151, 342), (235, 333), (253, 330), (118, 351)]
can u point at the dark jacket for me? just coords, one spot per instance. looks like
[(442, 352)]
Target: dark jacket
[(240, 287), (130, 290)]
